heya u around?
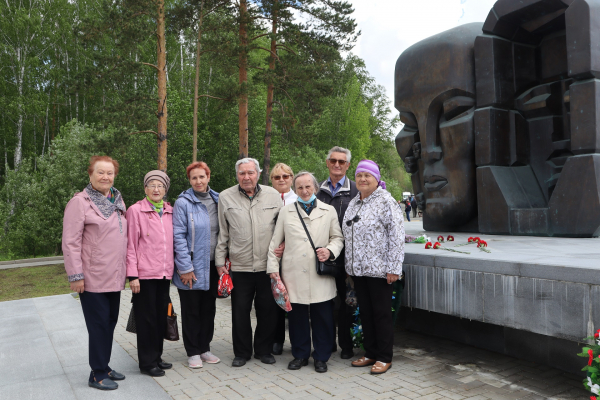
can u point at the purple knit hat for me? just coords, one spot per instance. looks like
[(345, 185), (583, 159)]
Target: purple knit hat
[(372, 168)]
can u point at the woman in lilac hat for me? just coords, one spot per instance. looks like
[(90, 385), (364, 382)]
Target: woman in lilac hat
[(374, 232)]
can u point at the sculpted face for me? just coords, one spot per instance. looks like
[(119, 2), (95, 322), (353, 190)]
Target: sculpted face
[(435, 94)]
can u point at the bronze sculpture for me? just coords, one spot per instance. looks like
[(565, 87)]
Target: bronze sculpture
[(534, 112)]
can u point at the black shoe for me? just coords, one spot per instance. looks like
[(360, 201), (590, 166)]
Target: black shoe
[(105, 384), (346, 354), (320, 366), (153, 371), (277, 348), (298, 363), (116, 376), (266, 359), (238, 362), (165, 365)]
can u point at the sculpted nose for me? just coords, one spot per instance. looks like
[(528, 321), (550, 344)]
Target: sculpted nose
[(432, 154)]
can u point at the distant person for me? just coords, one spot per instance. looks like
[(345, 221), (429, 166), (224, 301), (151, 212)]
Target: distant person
[(196, 228), (94, 244), (150, 269), (337, 191), (281, 177), (310, 293), (374, 234), (413, 205), (407, 209), (247, 215)]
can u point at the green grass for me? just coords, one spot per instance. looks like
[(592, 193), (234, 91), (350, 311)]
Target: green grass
[(11, 257), (26, 282)]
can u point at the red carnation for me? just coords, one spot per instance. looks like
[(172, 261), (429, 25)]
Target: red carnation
[(450, 238), (440, 238), (591, 354), (470, 239), (437, 245), (482, 243), (592, 397), (476, 239), (428, 245), (597, 334)]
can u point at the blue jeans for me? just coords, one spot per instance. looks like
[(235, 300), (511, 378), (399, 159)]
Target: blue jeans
[(408, 216)]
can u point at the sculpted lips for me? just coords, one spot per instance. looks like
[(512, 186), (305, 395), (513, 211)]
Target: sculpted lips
[(435, 182)]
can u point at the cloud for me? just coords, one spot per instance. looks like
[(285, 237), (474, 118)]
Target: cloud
[(391, 26)]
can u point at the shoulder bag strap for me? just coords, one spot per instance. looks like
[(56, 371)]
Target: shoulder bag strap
[(305, 229)]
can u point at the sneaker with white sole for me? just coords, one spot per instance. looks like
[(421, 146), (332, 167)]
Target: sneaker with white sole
[(210, 358), (195, 362)]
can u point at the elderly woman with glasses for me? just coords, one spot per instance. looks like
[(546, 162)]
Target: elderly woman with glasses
[(281, 178), (374, 232), (309, 293), (150, 269)]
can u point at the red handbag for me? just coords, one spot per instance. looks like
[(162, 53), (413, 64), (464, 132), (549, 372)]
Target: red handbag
[(225, 283)]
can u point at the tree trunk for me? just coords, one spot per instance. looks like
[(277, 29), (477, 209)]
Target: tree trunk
[(162, 87), (196, 83), (270, 89), (243, 66)]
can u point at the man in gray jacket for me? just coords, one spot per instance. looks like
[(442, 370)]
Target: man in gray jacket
[(247, 215)]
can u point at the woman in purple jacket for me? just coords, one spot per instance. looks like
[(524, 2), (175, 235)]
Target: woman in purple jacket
[(94, 244), (150, 269)]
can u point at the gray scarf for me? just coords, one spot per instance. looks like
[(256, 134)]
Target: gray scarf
[(105, 206)]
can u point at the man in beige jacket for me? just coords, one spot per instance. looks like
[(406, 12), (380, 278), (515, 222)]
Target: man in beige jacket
[(247, 216)]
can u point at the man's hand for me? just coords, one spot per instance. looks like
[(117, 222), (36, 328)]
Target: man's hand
[(274, 275), (134, 285), (188, 279), (279, 250), (78, 286), (222, 270), (391, 278), (323, 254)]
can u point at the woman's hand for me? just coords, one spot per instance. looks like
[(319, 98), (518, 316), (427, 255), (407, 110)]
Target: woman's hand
[(279, 250), (274, 275), (323, 254), (391, 278), (135, 286), (78, 286), (222, 270), (188, 279)]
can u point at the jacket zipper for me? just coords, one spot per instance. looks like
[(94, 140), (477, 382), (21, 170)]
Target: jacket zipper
[(193, 236), (164, 245)]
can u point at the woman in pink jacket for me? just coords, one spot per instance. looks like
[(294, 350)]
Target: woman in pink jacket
[(94, 244), (150, 269)]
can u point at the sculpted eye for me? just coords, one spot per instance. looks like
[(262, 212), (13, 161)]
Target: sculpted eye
[(408, 119), (457, 107)]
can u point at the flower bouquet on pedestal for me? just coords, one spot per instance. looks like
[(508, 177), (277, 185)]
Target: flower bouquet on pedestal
[(592, 353)]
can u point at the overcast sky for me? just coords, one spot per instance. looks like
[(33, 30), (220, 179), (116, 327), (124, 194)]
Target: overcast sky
[(391, 26)]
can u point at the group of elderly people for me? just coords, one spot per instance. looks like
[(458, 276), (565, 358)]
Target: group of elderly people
[(264, 232)]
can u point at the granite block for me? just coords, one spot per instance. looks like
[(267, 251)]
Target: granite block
[(28, 361), (51, 388), (23, 328)]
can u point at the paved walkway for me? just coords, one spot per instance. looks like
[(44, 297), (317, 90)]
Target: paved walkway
[(43, 355), (423, 368)]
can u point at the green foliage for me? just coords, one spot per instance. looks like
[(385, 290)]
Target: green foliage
[(592, 369)]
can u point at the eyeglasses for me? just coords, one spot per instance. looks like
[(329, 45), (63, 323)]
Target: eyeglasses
[(284, 177), (334, 161), (159, 187), (355, 219)]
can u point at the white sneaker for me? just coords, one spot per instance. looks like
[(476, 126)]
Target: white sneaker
[(210, 358), (195, 362)]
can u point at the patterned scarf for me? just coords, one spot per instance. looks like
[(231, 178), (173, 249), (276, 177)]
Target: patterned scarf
[(308, 207), (106, 206)]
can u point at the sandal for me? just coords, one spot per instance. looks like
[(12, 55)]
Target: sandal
[(380, 368), (363, 362)]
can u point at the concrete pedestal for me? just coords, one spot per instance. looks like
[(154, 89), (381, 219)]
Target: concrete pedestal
[(531, 297)]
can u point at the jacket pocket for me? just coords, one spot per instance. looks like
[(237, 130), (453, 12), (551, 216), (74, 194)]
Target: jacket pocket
[(239, 223)]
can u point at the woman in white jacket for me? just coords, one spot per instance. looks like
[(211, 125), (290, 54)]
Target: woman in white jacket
[(374, 232), (308, 291)]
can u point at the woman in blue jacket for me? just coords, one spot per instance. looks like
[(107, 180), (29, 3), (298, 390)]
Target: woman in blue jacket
[(195, 231)]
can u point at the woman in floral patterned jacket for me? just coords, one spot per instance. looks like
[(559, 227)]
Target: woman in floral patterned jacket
[(374, 232)]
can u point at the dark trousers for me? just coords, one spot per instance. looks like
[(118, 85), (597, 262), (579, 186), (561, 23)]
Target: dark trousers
[(280, 326), (101, 311), (375, 302), (345, 316), (414, 210), (249, 287), (321, 322), (150, 309)]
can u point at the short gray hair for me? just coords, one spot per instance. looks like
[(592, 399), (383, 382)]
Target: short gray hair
[(338, 149), (302, 173), (248, 160)]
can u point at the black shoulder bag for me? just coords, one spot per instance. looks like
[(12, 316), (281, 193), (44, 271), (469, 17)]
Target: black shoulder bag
[(328, 267)]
